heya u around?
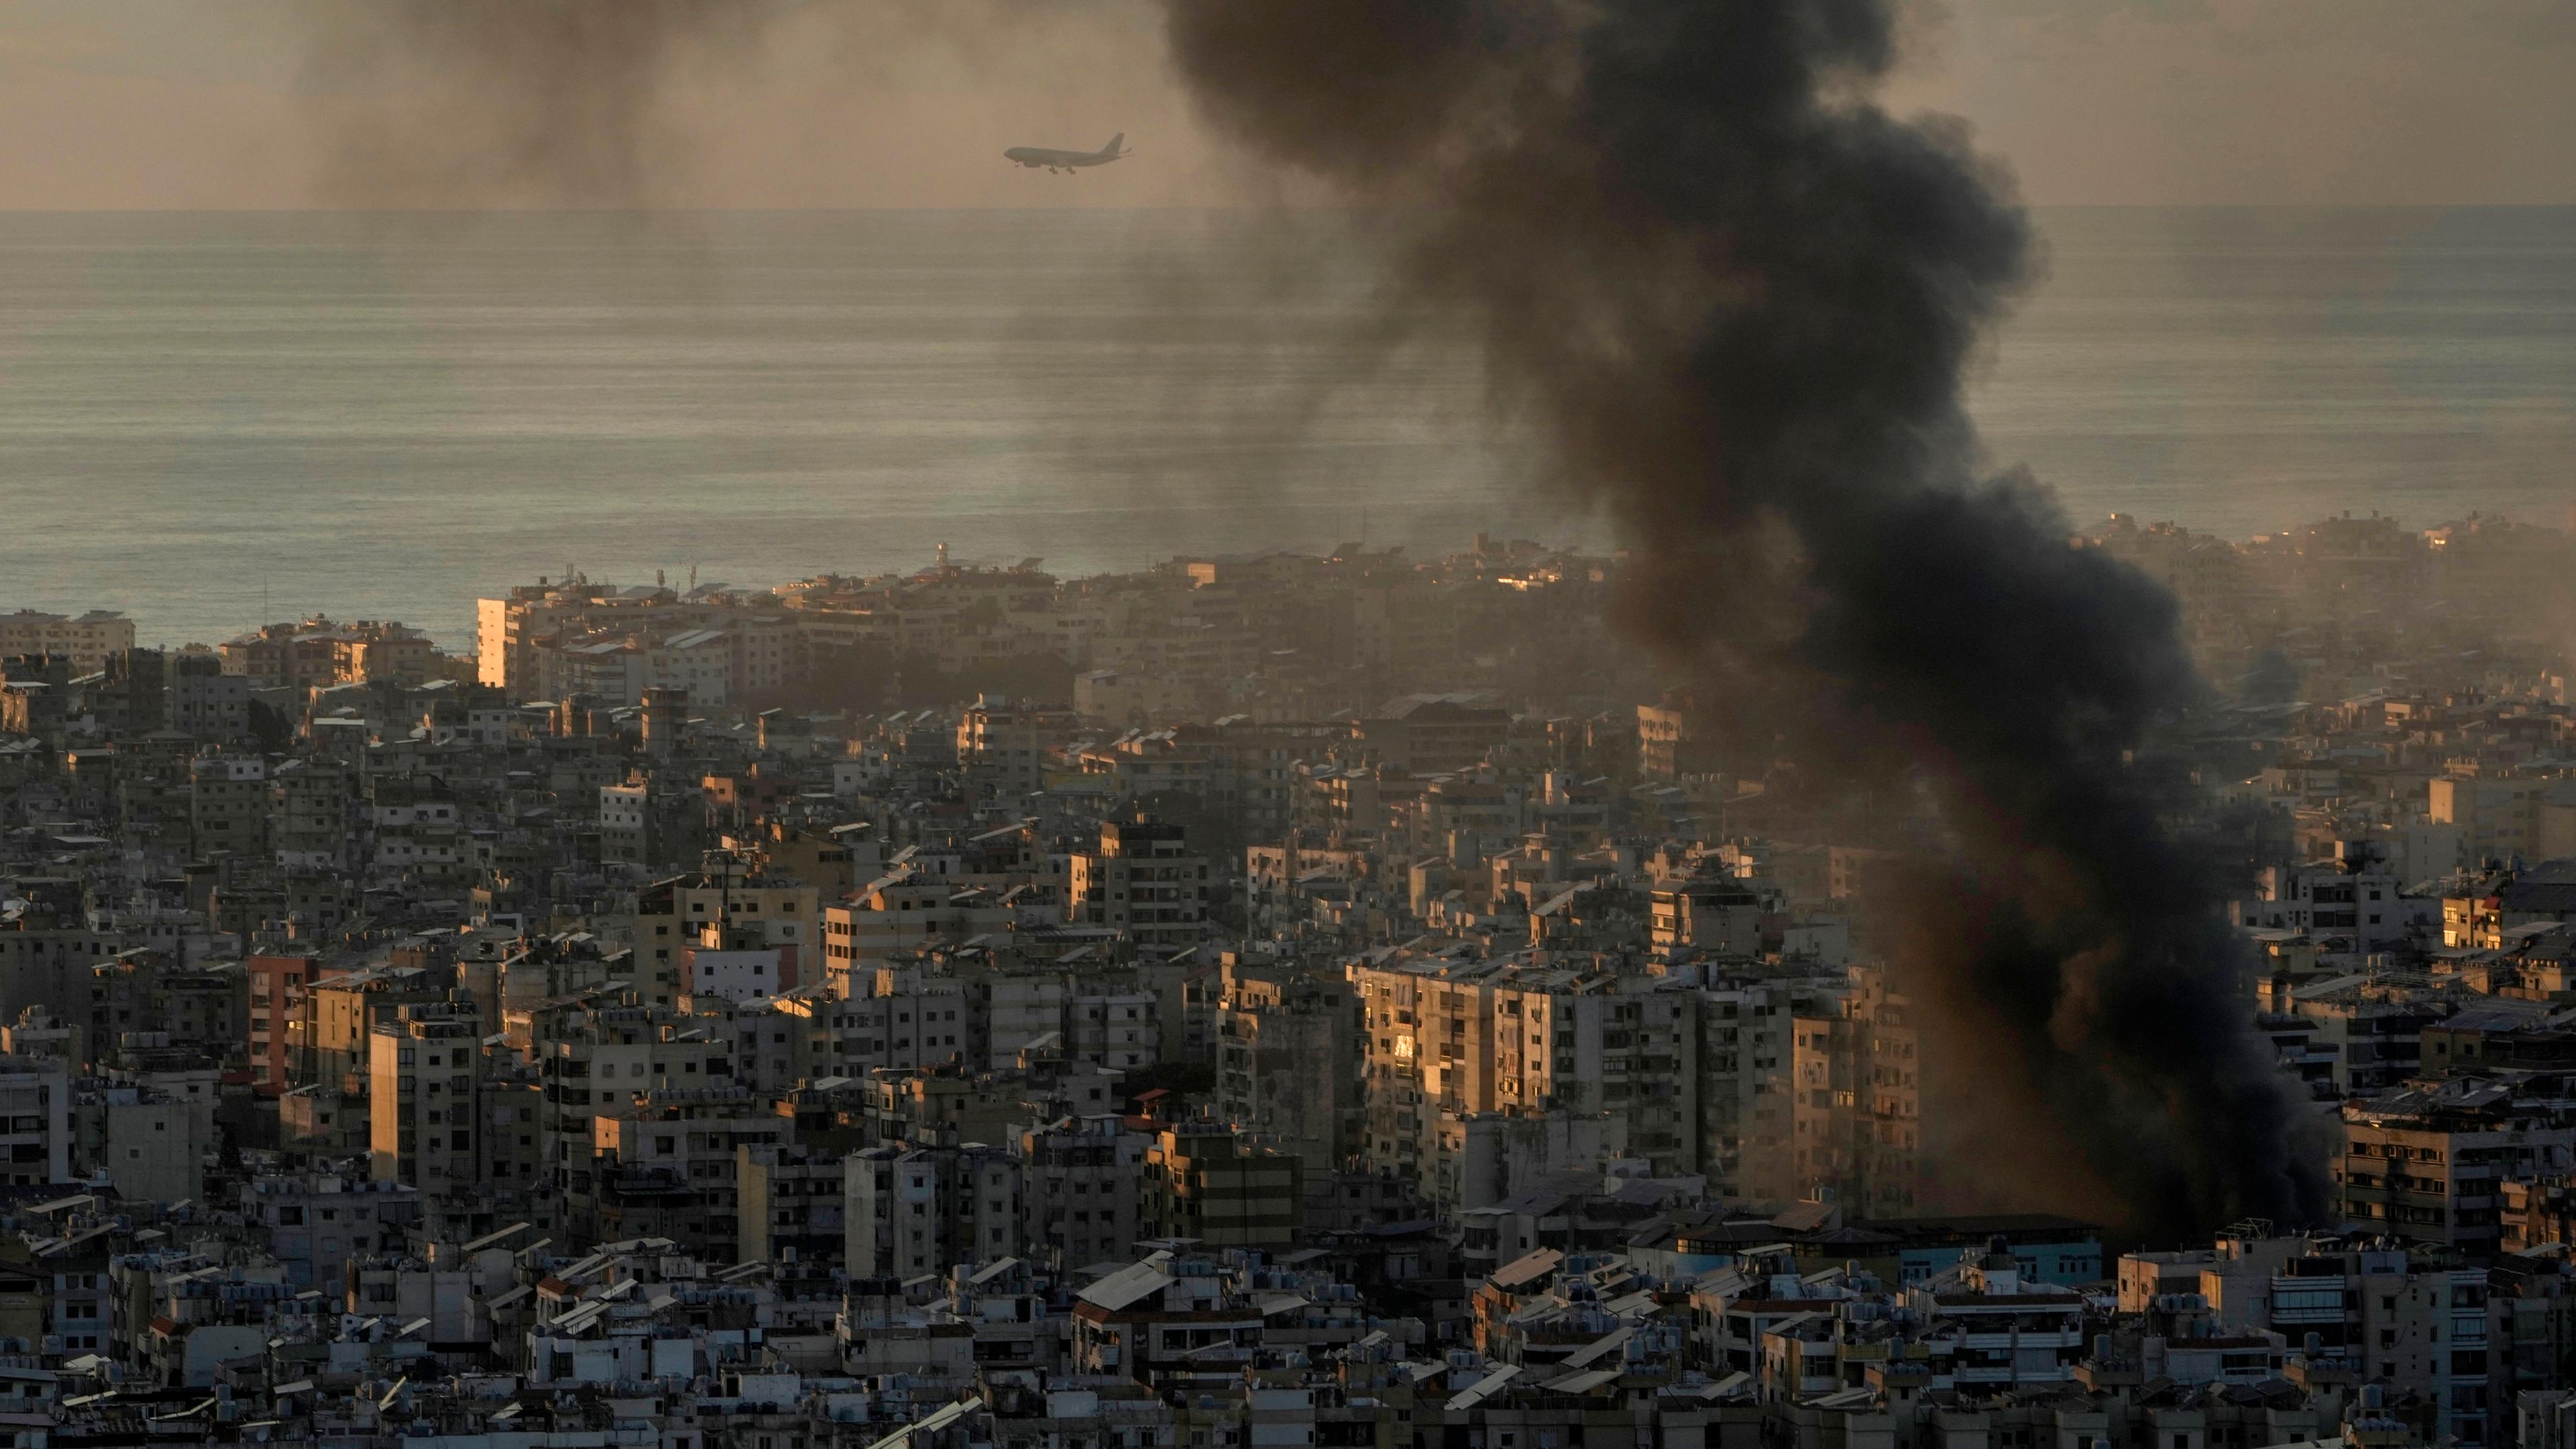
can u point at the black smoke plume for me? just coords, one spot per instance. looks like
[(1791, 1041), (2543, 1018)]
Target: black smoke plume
[(1736, 298)]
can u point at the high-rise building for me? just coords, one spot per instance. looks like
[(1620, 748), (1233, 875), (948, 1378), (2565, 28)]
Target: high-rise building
[(424, 1086), (1144, 881), (915, 1210)]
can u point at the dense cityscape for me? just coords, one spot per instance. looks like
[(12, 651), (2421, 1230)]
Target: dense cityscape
[(1262, 1000)]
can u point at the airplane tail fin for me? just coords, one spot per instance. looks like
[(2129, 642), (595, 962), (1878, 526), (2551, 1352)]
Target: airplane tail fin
[(1112, 148)]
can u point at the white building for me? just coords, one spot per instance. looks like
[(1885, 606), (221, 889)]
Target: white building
[(734, 975), (2360, 908)]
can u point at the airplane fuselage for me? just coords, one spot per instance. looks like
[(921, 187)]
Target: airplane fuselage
[(1054, 160)]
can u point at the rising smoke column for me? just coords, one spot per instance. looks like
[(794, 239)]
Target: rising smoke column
[(1735, 299)]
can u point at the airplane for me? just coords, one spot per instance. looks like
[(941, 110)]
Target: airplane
[(1036, 156)]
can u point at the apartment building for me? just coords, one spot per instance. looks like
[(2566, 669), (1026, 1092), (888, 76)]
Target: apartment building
[(907, 910), (36, 1105), (85, 639), (335, 1047), (745, 912), (1113, 1026), (561, 640), (915, 1210), (2499, 815), (280, 1022), (895, 1019), (2381, 1312), (1081, 1189), (424, 1092), (789, 1205), (416, 826), (1205, 1182), (1719, 916), (2360, 911), (1002, 744), (309, 815), (207, 704), (228, 805), (317, 653), (594, 1057), (664, 1164), (2427, 1161), (1144, 881), (1288, 1057)]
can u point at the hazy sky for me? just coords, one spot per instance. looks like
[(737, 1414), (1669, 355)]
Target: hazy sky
[(255, 104)]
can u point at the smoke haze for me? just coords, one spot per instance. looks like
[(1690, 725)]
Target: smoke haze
[(656, 104), (1735, 300), (558, 100), (182, 104)]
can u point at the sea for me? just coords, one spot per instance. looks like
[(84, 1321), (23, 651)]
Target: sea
[(212, 420)]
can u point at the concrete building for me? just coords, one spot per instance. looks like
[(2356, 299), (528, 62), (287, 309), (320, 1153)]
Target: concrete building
[(36, 1103), (2378, 1311), (316, 1224), (310, 816), (151, 1146), (86, 639), (725, 911), (1082, 1190), (789, 1204), (594, 1057), (1288, 1060), (2499, 816), (424, 1094), (1002, 743), (1205, 1182), (317, 653), (2426, 1162), (664, 1163), (207, 704), (911, 1211), (228, 806), (1144, 881), (280, 1019), (2360, 911)]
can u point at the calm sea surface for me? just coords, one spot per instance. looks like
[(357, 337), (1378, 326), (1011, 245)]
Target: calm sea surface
[(211, 420)]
